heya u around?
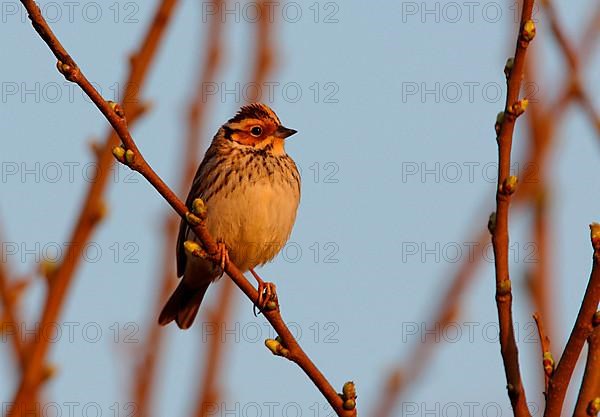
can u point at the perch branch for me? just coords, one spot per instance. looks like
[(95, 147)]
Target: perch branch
[(215, 350), (129, 154), (211, 56)]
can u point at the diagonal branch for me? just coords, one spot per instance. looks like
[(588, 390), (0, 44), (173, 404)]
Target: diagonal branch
[(129, 154), (590, 386), (219, 315), (146, 368), (91, 210), (582, 329), (499, 222), (9, 319), (573, 62)]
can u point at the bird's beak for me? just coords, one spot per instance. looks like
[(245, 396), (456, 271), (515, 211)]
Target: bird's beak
[(283, 132)]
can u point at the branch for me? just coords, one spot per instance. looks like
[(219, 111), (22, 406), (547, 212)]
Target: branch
[(9, 319), (499, 222), (542, 131), (146, 369), (209, 391), (419, 357), (215, 352), (91, 210), (539, 276), (590, 386), (573, 63), (129, 154), (581, 331)]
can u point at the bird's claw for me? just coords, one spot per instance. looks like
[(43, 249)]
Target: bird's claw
[(223, 254), (266, 292), (267, 295)]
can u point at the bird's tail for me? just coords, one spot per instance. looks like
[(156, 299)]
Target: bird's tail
[(183, 305)]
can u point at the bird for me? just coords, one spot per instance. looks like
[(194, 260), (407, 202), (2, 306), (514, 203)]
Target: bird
[(250, 187)]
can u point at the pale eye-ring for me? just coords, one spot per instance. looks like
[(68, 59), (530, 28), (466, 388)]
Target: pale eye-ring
[(256, 131)]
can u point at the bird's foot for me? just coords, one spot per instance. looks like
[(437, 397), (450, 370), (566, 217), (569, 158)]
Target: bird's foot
[(267, 294), (223, 254)]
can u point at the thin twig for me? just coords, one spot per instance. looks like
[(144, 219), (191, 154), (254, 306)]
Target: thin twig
[(547, 359), (133, 158), (91, 210), (499, 225), (582, 329)]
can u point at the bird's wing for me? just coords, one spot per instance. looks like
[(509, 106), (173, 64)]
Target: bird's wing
[(201, 180)]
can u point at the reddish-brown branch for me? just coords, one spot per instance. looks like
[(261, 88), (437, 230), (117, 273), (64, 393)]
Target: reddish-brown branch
[(540, 274), (145, 373), (217, 318), (397, 379), (540, 132), (589, 36), (539, 279), (543, 122), (582, 329), (92, 206), (590, 386), (505, 188), (210, 53), (570, 55), (133, 158), (9, 317), (264, 55), (559, 36), (452, 297)]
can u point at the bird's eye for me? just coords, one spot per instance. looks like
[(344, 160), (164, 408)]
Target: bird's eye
[(256, 131)]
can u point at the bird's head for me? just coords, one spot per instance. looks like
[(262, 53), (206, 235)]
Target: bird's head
[(256, 125)]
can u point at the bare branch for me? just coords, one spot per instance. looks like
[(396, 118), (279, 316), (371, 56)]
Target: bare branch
[(197, 108), (92, 208), (499, 221), (582, 329), (590, 386), (129, 154), (9, 318)]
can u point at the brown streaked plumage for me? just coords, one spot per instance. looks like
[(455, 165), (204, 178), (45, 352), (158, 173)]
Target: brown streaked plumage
[(251, 189)]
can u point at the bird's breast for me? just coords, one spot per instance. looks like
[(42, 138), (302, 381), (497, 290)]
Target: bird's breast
[(254, 215)]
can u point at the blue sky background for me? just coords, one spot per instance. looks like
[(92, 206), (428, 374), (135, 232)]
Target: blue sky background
[(359, 210)]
